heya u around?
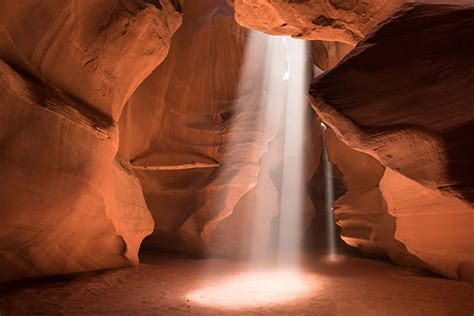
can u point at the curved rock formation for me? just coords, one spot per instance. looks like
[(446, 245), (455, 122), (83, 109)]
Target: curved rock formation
[(412, 112), (97, 52), (424, 142), (252, 230), (66, 70), (436, 228), (82, 148), (362, 212), (199, 137), (326, 55), (60, 211), (346, 21), (193, 98)]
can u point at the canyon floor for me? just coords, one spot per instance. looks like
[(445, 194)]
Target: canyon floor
[(177, 286)]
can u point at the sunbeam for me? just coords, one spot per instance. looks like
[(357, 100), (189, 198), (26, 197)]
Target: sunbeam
[(280, 115)]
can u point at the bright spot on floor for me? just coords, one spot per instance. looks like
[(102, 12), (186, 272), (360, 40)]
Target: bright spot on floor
[(255, 289)]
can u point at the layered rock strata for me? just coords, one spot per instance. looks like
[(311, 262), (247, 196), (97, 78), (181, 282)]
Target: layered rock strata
[(65, 207), (66, 204), (210, 137), (404, 96)]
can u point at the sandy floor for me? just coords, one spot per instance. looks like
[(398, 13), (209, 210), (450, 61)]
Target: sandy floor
[(177, 286)]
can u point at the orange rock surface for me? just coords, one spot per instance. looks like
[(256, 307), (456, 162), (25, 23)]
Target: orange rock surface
[(66, 69), (404, 98), (346, 21), (97, 53), (326, 55), (65, 207), (113, 127), (436, 228), (207, 121)]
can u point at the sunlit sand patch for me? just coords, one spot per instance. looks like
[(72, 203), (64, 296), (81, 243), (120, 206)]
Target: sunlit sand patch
[(257, 288)]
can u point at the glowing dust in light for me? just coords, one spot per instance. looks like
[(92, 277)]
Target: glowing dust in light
[(256, 288)]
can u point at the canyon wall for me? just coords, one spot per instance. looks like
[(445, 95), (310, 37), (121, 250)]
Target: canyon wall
[(198, 134), (405, 98), (346, 21), (400, 104), (100, 148), (66, 70)]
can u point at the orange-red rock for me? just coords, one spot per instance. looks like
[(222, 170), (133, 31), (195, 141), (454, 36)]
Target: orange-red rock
[(436, 228), (64, 206), (410, 111), (362, 212), (346, 21), (192, 140), (98, 52), (404, 97), (189, 111), (326, 55), (66, 69)]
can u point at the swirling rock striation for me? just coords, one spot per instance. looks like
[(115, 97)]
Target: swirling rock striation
[(66, 69), (404, 96), (97, 52)]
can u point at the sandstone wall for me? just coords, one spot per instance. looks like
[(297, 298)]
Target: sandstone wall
[(400, 102), (404, 97), (66, 69), (346, 21), (202, 115)]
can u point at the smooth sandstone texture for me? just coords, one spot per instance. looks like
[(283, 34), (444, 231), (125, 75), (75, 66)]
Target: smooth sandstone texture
[(404, 96), (66, 204), (410, 111), (346, 21), (403, 99), (326, 55), (132, 218), (362, 212), (195, 136), (98, 52), (437, 229), (59, 210), (252, 230)]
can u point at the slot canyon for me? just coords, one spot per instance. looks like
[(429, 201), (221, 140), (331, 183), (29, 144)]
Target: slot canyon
[(237, 157)]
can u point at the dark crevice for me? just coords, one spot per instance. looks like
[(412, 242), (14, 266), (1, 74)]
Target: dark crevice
[(156, 3), (177, 6)]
